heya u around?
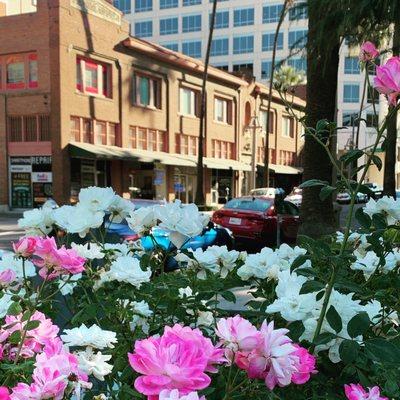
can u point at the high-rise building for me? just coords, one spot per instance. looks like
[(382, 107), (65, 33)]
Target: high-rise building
[(243, 40)]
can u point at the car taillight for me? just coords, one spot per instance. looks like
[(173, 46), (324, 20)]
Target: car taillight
[(271, 212), (217, 217)]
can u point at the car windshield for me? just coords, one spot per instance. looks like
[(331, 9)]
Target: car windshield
[(250, 204)]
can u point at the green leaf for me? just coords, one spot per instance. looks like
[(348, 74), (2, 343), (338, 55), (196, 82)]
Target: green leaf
[(351, 156), (348, 350), (311, 286), (324, 338), (313, 183), (358, 325), (383, 350), (334, 319), (326, 192), (379, 221), (296, 329), (299, 261), (15, 337), (363, 219), (377, 161), (32, 325), (26, 316), (14, 309), (229, 296)]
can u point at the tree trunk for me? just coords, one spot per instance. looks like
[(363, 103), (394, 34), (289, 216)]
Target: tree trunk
[(389, 175), (200, 198), (271, 81), (316, 216)]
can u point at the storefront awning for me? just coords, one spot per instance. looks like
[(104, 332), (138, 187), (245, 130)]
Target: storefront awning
[(286, 169), (217, 163), (87, 150)]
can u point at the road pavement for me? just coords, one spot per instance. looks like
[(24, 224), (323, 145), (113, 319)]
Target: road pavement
[(9, 230)]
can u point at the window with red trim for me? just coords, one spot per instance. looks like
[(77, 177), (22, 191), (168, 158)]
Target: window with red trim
[(93, 77), (18, 71)]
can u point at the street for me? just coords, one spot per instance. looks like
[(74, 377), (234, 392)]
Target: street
[(10, 232)]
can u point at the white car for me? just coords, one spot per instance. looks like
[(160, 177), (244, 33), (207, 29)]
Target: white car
[(344, 198), (295, 196), (266, 192)]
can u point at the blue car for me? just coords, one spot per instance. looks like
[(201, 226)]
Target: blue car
[(212, 235)]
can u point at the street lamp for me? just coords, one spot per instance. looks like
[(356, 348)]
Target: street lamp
[(253, 127)]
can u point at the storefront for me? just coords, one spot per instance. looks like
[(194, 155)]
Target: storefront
[(31, 181)]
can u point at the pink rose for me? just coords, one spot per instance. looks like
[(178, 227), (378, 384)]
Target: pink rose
[(368, 52), (357, 392), (4, 393), (387, 80), (305, 367), (25, 247), (7, 276)]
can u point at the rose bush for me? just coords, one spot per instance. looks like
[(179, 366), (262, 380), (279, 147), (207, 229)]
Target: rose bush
[(83, 317)]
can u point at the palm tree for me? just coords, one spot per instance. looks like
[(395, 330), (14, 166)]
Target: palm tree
[(285, 8), (200, 198)]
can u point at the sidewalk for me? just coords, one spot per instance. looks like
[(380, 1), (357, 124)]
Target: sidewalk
[(9, 230)]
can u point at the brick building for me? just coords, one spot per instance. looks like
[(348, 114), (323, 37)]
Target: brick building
[(82, 103)]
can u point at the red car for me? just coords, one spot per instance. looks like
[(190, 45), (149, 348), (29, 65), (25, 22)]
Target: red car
[(255, 219)]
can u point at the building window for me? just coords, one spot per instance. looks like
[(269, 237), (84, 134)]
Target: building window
[(191, 23), (144, 29), (146, 91), (100, 132), (123, 5), (222, 149), (287, 157), (351, 66), (143, 5), (243, 17), (220, 47), (272, 13), (288, 127), (168, 26), (192, 49), (189, 101), (243, 67), (28, 128), (298, 11), (147, 139), (168, 4), (19, 71), (171, 46), (371, 121), (223, 67), (266, 68), (186, 144), (271, 121), (93, 131), (372, 96), (191, 2), (221, 20), (223, 110), (299, 64), (243, 44), (268, 41), (297, 39), (351, 93), (92, 77), (348, 118)]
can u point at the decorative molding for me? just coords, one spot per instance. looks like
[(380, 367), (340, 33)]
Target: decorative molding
[(99, 9)]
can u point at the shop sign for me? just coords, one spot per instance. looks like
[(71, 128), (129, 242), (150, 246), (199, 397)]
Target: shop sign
[(21, 191), (179, 187), (99, 9), (44, 177), (20, 168), (159, 177), (20, 161), (40, 160)]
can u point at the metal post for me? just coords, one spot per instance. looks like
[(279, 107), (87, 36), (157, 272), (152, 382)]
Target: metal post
[(253, 153)]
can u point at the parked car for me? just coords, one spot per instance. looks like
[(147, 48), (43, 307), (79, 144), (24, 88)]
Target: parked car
[(377, 191), (267, 192), (212, 235), (345, 198), (254, 219), (295, 196)]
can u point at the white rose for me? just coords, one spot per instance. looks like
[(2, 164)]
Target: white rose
[(96, 198)]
